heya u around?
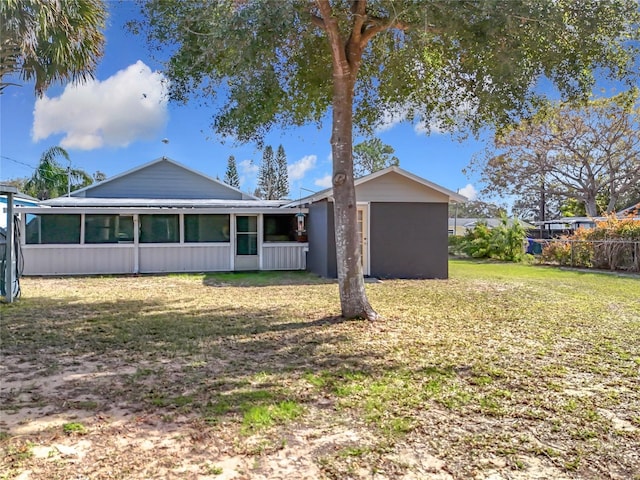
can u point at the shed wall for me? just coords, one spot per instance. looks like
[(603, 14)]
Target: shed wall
[(321, 258), (408, 240)]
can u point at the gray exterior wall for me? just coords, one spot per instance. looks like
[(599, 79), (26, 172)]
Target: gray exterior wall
[(162, 180), (321, 258), (408, 240)]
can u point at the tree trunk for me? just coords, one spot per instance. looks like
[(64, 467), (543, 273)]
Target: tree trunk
[(591, 207), (353, 297)]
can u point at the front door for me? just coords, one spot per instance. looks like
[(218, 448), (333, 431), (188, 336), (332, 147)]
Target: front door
[(247, 243), (363, 232)]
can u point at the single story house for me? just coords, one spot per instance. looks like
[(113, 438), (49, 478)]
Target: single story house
[(165, 217)]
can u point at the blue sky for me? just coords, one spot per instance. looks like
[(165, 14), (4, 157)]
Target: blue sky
[(119, 121)]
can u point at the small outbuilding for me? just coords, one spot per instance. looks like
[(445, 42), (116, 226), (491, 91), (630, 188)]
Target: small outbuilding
[(402, 220)]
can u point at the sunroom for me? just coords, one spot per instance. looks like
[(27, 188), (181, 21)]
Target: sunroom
[(155, 239)]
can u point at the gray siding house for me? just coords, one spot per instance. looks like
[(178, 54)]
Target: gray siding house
[(165, 217)]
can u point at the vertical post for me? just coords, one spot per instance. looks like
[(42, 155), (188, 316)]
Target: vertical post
[(136, 243), (8, 273)]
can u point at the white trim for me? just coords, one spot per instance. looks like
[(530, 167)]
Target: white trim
[(260, 223), (150, 210), (282, 244), (136, 243), (82, 229)]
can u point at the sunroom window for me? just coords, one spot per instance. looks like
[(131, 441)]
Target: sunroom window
[(159, 228), (280, 228), (206, 228), (52, 229), (108, 228)]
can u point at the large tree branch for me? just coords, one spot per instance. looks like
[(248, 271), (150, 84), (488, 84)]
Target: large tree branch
[(377, 25), (340, 63)]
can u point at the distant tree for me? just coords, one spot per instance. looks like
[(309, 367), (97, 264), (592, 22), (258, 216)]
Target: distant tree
[(50, 41), (372, 155), (458, 64), (588, 152), (16, 182), (231, 176), (99, 176), (267, 175), (52, 180), (282, 174), (476, 209)]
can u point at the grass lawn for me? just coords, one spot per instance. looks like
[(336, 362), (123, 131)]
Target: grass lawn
[(501, 372)]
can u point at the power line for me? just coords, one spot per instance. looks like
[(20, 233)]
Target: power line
[(17, 161)]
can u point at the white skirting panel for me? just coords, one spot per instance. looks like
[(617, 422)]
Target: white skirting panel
[(284, 257), (77, 260), (185, 258)]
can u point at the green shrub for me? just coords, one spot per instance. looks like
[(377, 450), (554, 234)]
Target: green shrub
[(609, 245), (504, 242)]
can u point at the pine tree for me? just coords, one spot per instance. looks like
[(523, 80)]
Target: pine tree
[(267, 175), (231, 175), (282, 178)]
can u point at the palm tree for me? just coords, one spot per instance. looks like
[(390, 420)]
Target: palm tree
[(50, 41), (51, 180)]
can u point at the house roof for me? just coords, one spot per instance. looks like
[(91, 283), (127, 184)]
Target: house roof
[(632, 211), (491, 222), (328, 193), (160, 203), (82, 192)]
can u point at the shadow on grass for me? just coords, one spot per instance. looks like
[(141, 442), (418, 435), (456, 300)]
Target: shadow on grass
[(216, 362), (263, 279)]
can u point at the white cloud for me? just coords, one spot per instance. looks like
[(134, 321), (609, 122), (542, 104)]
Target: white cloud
[(324, 182), (128, 106), (424, 128), (248, 167), (390, 118), (298, 169), (469, 191)]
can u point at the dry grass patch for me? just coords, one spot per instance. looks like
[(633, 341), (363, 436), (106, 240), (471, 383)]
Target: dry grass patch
[(502, 371)]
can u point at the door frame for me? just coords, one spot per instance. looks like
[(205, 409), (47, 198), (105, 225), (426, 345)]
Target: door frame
[(246, 262), (365, 235)]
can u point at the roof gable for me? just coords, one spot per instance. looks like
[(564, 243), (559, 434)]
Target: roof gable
[(393, 184), (162, 178)]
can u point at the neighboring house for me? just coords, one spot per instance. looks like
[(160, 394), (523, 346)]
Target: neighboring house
[(632, 211), (19, 199), (165, 217), (460, 226)]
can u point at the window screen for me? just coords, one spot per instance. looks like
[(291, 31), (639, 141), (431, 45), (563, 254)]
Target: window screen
[(53, 228), (108, 228), (280, 228), (159, 228), (206, 228)]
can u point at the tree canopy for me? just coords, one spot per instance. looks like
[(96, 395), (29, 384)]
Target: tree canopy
[(454, 65), (51, 179), (50, 41), (372, 155), (587, 152)]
